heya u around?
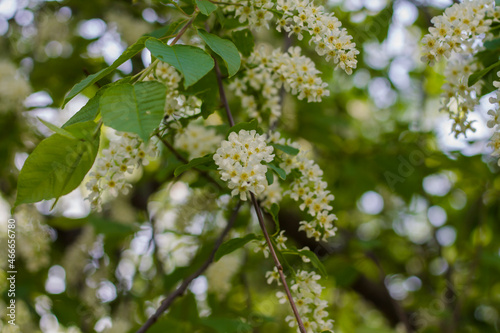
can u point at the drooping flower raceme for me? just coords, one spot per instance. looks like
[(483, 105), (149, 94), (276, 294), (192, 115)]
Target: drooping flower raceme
[(306, 292), (494, 121), (461, 23), (269, 70), (122, 157), (240, 162), (310, 190), (299, 17)]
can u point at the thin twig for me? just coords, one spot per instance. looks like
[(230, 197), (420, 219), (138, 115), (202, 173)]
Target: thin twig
[(277, 263), (165, 304), (222, 93)]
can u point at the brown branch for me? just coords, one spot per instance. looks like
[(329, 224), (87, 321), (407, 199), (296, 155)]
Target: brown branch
[(165, 304), (222, 94), (277, 263)]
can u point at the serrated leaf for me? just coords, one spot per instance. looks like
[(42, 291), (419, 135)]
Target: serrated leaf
[(243, 39), (233, 245), (91, 79), (194, 163), (225, 49), (137, 108), (206, 7), (279, 171), (474, 78), (58, 164), (251, 125), (286, 149), (55, 129), (269, 177), (192, 62)]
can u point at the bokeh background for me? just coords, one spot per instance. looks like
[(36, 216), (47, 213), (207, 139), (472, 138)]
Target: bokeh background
[(418, 209)]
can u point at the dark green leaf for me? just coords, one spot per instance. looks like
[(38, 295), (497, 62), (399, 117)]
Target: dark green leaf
[(274, 211), (279, 171), (91, 79), (225, 49), (58, 164), (474, 78), (309, 254), (196, 162), (269, 177), (135, 108), (192, 62), (243, 39), (286, 149), (205, 6), (232, 245), (492, 44)]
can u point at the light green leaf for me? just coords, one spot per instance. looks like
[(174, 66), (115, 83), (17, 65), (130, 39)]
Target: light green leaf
[(206, 7), (233, 245), (137, 108), (58, 164), (91, 79), (474, 78), (225, 49), (309, 254), (192, 62), (88, 112), (207, 159), (243, 39), (286, 149), (279, 171), (57, 130)]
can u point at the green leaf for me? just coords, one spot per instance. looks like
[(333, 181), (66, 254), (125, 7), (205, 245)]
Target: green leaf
[(91, 79), (58, 164), (225, 49), (137, 108), (492, 44), (269, 177), (226, 325), (57, 130), (192, 62), (474, 78), (243, 39), (205, 6), (251, 125), (194, 163), (497, 2), (166, 30), (233, 245), (88, 112), (279, 171), (274, 211), (309, 254), (286, 149)]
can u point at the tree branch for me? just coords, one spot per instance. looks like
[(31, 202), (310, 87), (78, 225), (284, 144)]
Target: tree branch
[(277, 263), (165, 304)]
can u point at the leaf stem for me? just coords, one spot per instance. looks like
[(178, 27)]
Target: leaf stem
[(165, 304), (277, 263)]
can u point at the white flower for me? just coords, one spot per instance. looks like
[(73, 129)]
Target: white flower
[(197, 140), (239, 161)]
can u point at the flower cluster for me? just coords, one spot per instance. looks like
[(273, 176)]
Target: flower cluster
[(177, 105), (110, 170), (13, 87), (457, 27), (310, 190), (458, 99), (327, 34), (239, 160), (299, 17), (268, 71), (306, 292), (220, 274), (494, 121), (197, 140)]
